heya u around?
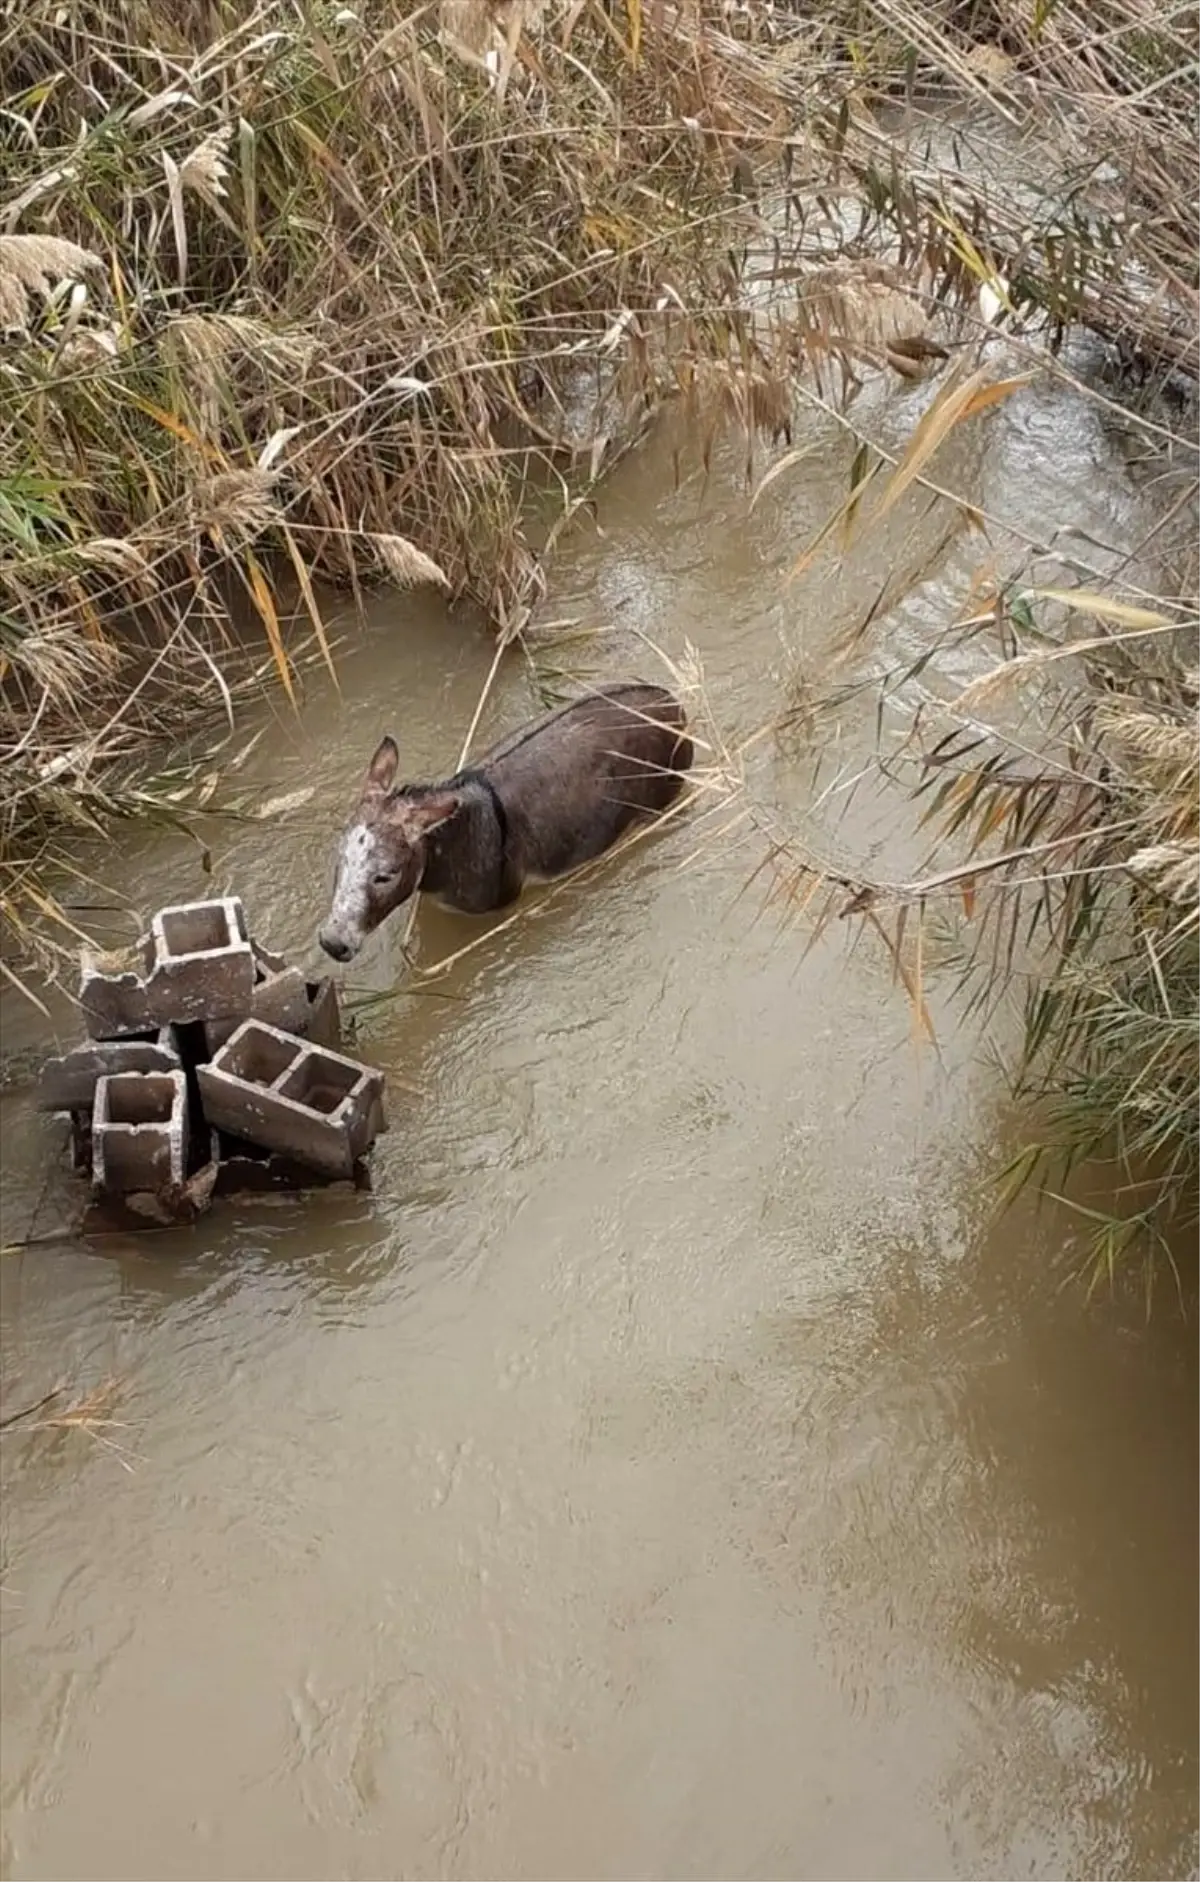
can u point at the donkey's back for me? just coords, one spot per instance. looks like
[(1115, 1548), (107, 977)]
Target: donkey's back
[(573, 781)]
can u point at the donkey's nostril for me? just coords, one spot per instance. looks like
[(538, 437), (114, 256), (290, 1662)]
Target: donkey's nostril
[(334, 945)]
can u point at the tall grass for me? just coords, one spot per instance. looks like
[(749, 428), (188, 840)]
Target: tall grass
[(1110, 87), (1074, 875), (1079, 881)]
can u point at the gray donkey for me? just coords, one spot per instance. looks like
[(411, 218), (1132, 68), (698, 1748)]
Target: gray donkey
[(538, 805)]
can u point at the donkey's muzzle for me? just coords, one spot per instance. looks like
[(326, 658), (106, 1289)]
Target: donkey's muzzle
[(336, 947)]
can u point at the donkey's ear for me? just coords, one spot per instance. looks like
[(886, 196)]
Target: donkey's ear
[(422, 815), (381, 772)]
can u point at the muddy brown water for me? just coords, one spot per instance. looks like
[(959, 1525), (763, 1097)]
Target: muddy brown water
[(670, 1470)]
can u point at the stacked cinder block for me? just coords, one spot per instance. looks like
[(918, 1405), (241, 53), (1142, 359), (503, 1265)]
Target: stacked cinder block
[(210, 1066)]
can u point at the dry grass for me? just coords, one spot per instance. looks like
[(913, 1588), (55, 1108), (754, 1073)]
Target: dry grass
[(60, 1411), (1111, 89), (1061, 790)]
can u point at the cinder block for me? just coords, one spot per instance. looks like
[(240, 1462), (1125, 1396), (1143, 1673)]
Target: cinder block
[(323, 1020), (195, 964), (267, 958), (139, 1132), (302, 1101), (203, 962), (283, 998), (280, 998), (69, 1083), (113, 993)]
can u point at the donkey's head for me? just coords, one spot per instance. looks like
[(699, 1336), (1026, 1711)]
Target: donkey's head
[(382, 853)]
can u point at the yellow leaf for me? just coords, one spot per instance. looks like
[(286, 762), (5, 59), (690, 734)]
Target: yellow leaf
[(176, 426), (953, 403), (317, 145), (310, 602), (264, 602), (91, 619), (1089, 603), (609, 231), (911, 980), (634, 10), (999, 389), (993, 819), (967, 252), (38, 94)]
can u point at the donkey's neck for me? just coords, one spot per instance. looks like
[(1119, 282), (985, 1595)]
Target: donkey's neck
[(484, 783), (467, 860)]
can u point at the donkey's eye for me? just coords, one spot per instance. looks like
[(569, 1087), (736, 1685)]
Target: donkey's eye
[(386, 875)]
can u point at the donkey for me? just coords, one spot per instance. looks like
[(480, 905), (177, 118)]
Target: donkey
[(540, 804)]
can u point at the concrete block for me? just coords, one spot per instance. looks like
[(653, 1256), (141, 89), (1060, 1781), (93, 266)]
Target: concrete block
[(267, 958), (280, 999), (113, 996), (195, 964), (69, 1083), (323, 1020), (139, 1132), (203, 962), (284, 999), (302, 1101)]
